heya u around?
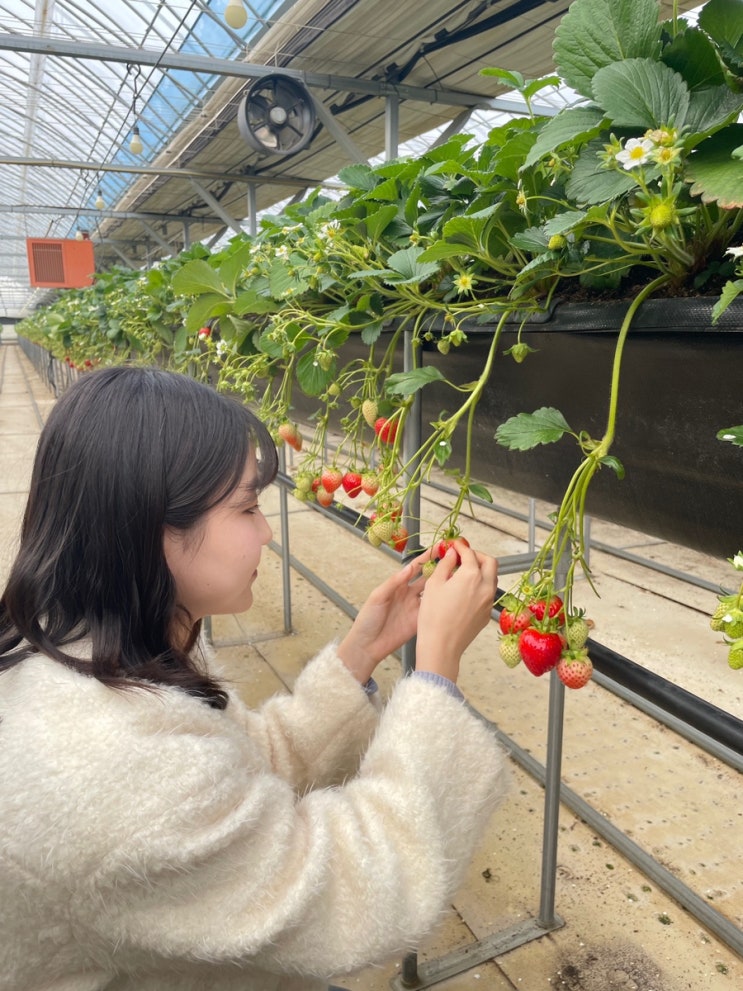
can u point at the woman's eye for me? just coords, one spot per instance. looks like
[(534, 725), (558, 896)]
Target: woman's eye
[(252, 509)]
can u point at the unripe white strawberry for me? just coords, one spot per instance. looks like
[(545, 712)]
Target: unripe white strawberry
[(508, 648), (370, 411)]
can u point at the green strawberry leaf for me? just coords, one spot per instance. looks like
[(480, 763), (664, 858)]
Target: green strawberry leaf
[(371, 332), (358, 177), (570, 126), (596, 33), (734, 435), (442, 452), (614, 463), (206, 306), (197, 277), (730, 291), (714, 172), (407, 269), (590, 182), (406, 383), (312, 378), (642, 93), (526, 430), (376, 222), (480, 492)]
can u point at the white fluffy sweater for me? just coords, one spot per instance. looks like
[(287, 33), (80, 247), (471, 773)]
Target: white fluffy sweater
[(149, 842)]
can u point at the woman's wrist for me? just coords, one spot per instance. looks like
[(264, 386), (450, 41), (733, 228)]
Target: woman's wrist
[(356, 660)]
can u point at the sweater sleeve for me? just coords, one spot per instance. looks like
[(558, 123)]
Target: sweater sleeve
[(247, 872), (314, 736)]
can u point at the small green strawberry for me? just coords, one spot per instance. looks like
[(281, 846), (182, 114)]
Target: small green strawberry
[(717, 617), (508, 648), (735, 655), (303, 481), (428, 568), (577, 631), (733, 623)]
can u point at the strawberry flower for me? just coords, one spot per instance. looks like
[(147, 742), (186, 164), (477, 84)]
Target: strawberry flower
[(637, 151)]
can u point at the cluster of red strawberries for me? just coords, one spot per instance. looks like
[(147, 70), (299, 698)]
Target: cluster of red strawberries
[(538, 632)]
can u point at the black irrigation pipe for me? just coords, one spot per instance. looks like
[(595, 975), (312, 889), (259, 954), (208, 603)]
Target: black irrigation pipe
[(717, 724)]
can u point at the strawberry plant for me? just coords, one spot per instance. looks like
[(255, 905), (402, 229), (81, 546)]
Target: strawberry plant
[(634, 190)]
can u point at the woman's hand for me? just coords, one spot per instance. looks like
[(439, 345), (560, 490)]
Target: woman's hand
[(456, 606), (386, 621)]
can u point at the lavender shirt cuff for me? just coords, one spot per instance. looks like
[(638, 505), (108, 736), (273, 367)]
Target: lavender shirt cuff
[(439, 679)]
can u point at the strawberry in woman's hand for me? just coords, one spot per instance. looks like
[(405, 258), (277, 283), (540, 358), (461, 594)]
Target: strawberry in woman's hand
[(443, 546)]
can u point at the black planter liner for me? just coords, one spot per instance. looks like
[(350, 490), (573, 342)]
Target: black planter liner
[(681, 382)]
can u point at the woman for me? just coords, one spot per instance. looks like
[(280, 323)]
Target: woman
[(155, 833)]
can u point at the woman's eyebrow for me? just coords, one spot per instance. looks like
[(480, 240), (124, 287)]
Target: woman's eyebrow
[(246, 491)]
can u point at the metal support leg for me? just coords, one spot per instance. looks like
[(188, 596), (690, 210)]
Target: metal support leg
[(285, 554)]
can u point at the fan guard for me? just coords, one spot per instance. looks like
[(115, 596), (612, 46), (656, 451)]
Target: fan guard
[(276, 116)]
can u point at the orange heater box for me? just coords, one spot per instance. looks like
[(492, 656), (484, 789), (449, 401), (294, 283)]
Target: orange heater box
[(56, 263)]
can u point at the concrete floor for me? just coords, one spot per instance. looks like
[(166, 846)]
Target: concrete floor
[(679, 804)]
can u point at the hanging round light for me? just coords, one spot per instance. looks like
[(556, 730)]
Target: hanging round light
[(99, 201), (135, 145), (235, 14)]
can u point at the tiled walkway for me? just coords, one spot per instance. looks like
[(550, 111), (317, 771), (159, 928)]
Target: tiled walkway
[(679, 804)]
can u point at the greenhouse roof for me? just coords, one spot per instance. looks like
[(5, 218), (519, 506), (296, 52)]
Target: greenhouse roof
[(349, 80)]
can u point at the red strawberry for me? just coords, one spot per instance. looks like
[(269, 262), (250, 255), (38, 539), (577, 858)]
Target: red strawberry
[(385, 429), (289, 433), (399, 538), (515, 621), (352, 483), (554, 610), (316, 484), (443, 546), (324, 497), (540, 651), (331, 478), (205, 332), (370, 483), (574, 669)]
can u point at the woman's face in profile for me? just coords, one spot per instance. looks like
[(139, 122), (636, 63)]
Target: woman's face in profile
[(215, 563)]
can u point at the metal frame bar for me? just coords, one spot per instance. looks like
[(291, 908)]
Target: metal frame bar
[(252, 70)]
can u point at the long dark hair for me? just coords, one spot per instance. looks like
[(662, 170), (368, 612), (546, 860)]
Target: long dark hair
[(126, 452)]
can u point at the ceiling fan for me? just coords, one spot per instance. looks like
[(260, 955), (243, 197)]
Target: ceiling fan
[(277, 116)]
